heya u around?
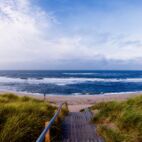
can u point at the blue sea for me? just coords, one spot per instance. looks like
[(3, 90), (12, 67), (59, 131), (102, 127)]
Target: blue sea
[(71, 82)]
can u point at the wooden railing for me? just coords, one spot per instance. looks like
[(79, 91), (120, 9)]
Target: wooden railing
[(45, 135)]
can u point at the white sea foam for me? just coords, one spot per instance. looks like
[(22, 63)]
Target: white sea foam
[(81, 73), (64, 81), (106, 94)]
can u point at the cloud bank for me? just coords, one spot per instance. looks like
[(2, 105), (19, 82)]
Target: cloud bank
[(32, 38)]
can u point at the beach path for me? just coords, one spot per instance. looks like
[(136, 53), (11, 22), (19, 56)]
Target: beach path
[(78, 128)]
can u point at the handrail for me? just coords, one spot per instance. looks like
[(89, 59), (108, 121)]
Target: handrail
[(46, 129)]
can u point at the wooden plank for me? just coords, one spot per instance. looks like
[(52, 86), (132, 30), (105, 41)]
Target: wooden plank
[(77, 128)]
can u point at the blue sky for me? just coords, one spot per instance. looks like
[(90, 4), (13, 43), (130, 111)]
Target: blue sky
[(71, 34)]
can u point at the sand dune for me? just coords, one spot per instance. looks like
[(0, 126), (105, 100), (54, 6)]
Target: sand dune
[(81, 101)]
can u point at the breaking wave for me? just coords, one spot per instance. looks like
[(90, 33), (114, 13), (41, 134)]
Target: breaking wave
[(79, 73), (65, 81)]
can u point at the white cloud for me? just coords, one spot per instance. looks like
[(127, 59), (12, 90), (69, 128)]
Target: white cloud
[(28, 37), (25, 36), (22, 31)]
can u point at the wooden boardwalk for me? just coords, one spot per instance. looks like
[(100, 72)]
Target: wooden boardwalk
[(77, 128)]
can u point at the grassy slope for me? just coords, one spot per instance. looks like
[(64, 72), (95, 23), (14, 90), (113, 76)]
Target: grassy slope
[(119, 121), (22, 118)]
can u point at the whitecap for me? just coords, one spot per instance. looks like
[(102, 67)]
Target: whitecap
[(64, 81)]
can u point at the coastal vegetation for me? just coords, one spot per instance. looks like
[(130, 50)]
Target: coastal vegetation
[(22, 119), (119, 121)]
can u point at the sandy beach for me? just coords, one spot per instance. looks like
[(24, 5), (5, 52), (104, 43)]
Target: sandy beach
[(76, 103)]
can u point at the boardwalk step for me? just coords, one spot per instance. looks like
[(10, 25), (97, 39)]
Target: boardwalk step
[(77, 128)]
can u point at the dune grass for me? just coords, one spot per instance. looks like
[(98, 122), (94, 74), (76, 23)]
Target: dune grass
[(119, 121), (22, 118)]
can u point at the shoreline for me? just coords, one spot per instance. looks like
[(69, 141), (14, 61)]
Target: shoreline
[(79, 102)]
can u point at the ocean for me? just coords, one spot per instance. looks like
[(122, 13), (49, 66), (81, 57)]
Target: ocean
[(71, 82)]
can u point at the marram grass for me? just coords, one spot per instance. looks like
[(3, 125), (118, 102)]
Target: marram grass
[(22, 119), (119, 121)]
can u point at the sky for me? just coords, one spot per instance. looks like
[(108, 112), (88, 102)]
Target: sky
[(71, 34)]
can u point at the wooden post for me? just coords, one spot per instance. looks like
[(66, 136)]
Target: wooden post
[(57, 120), (44, 97), (47, 136)]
